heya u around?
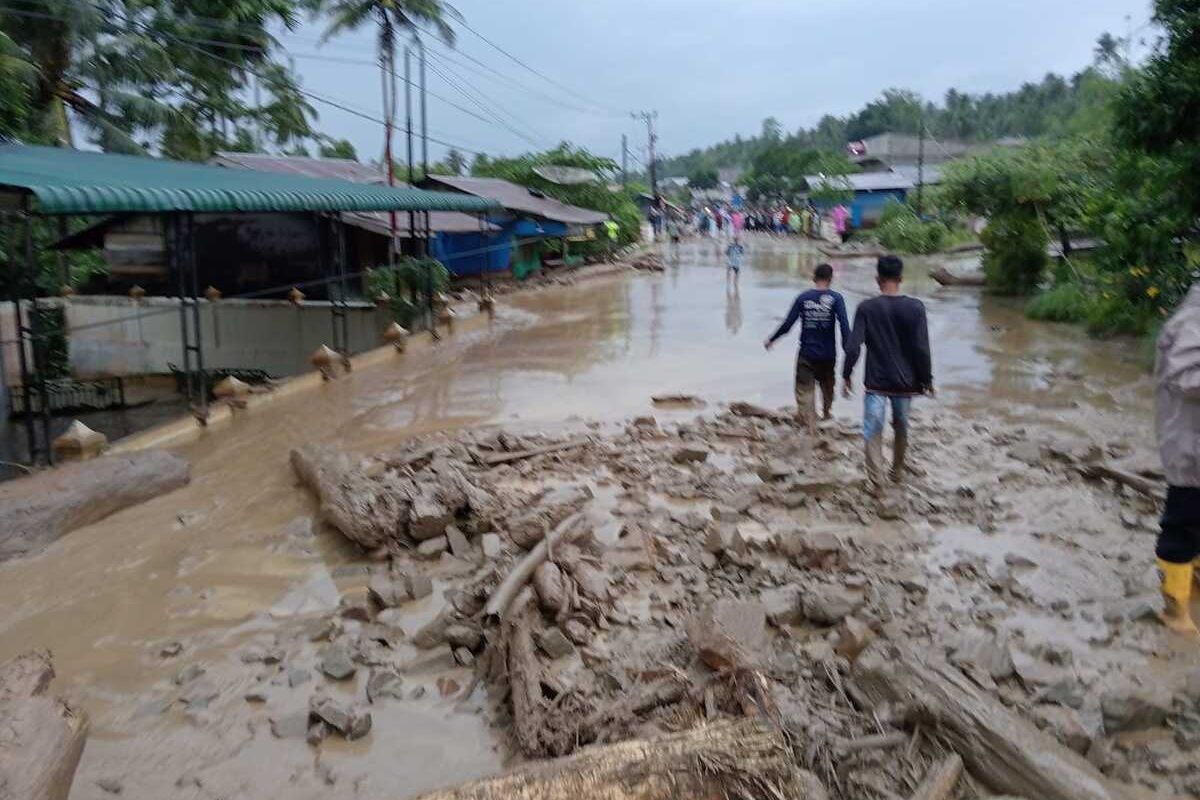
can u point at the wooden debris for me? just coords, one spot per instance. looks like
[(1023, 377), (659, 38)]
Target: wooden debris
[(371, 513), (36, 510), (516, 579), (714, 762), (941, 780), (1004, 751), (1099, 471), (42, 737), (496, 459)]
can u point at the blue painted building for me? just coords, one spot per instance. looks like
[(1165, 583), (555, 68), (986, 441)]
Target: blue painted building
[(874, 190)]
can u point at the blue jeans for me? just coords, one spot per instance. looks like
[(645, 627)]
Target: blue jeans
[(875, 413)]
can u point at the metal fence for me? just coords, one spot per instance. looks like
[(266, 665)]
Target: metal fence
[(67, 395)]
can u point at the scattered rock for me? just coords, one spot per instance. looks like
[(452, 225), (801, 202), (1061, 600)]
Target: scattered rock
[(853, 636), (387, 592), (690, 454), (384, 683), (189, 674), (1064, 725), (290, 726), (985, 651), (257, 695), (168, 651), (493, 547), (297, 676), (110, 785), (200, 694), (827, 604), (420, 586), (428, 517), (555, 643), (457, 540), (464, 657), (336, 663), (433, 547), (435, 659), (729, 633), (1134, 708), (782, 605), (447, 687), (1019, 561), (317, 732), (343, 716), (1029, 453), (462, 635), (356, 605)]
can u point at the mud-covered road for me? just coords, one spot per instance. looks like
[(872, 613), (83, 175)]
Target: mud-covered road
[(236, 558)]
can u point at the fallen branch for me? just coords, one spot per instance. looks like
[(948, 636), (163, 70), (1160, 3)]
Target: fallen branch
[(524, 674), (515, 581), (496, 459), (1004, 751), (1135, 482), (38, 509), (42, 737), (371, 513), (711, 762), (880, 741), (941, 779)]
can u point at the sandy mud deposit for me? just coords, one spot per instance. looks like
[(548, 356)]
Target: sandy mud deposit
[(655, 584)]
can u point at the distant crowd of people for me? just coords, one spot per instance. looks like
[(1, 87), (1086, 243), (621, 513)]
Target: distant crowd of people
[(723, 222)]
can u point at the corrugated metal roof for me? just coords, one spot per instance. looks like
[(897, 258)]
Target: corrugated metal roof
[(347, 170), (862, 182), (67, 181), (519, 198)]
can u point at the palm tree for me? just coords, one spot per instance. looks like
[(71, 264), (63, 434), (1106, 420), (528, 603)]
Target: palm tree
[(392, 17)]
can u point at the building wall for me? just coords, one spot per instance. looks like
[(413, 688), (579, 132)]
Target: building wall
[(867, 207), (145, 338)]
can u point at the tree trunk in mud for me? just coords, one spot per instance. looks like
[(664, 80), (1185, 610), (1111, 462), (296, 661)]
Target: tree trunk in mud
[(728, 759), (39, 509), (1007, 753), (41, 738), (370, 513)]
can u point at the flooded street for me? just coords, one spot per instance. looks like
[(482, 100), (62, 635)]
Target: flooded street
[(236, 559)]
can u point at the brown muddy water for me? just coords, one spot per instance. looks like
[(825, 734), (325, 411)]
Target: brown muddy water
[(235, 558)]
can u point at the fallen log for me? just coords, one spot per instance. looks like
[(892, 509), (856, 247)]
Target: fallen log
[(41, 738), (1007, 753), (371, 513), (714, 762), (37, 510), (941, 780), (524, 674), (1136, 482), (496, 459), (947, 278), (512, 584)]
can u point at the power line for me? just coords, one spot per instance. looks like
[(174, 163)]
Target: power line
[(493, 113)]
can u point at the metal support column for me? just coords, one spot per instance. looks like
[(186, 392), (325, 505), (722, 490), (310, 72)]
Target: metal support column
[(181, 259), (31, 345), (338, 290)]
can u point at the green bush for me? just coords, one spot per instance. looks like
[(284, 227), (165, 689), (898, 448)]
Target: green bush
[(1064, 302), (901, 229), (408, 286), (1015, 253)]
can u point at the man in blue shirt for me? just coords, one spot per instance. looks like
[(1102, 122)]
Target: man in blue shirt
[(817, 310)]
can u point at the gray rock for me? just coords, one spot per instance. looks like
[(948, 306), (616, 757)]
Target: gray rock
[(1066, 691), (317, 732), (457, 541), (1019, 561), (428, 517), (1063, 724), (782, 605), (387, 592), (774, 470), (1134, 708), (464, 657), (1029, 453), (384, 683), (730, 633), (723, 513), (200, 694), (110, 785), (1191, 688), (342, 715), (356, 605), (719, 538), (433, 632), (826, 604), (853, 636), (169, 650), (256, 695), (420, 586), (290, 726), (189, 674), (690, 454), (435, 659), (555, 643), (433, 547), (336, 663), (492, 545), (985, 651)]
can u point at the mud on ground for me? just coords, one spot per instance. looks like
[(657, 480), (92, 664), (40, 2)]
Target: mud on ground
[(732, 564)]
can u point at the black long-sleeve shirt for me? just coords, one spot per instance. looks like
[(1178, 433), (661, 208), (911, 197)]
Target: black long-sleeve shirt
[(896, 333), (819, 309)]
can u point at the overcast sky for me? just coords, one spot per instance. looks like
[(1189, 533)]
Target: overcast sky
[(711, 69)]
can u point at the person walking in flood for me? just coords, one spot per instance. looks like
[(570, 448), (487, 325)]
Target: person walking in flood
[(735, 252), (1177, 423), (899, 366), (817, 310)]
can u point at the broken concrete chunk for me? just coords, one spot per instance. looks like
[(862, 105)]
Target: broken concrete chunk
[(433, 547), (828, 604), (335, 663), (493, 547), (290, 726), (555, 644), (729, 633), (457, 541), (690, 454)]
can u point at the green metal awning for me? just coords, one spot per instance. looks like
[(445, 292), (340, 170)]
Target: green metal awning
[(64, 181)]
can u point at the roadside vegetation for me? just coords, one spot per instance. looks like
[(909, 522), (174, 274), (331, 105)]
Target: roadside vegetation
[(902, 230)]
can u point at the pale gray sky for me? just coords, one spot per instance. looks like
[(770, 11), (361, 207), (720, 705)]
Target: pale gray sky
[(710, 68)]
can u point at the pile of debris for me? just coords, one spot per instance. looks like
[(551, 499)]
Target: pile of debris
[(647, 582)]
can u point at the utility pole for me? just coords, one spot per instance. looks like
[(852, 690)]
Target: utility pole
[(648, 117), (624, 160), (408, 111), (920, 166)]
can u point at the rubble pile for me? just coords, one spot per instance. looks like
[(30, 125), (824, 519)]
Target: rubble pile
[(611, 584)]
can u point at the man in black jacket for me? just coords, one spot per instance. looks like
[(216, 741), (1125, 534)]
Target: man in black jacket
[(894, 329)]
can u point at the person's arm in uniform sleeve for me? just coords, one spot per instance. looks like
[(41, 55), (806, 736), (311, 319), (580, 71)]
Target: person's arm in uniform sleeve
[(839, 308), (1181, 367), (853, 345), (924, 359), (793, 315)]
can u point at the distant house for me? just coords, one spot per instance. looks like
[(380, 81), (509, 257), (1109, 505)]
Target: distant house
[(872, 191), (241, 253), (891, 151), (529, 218)]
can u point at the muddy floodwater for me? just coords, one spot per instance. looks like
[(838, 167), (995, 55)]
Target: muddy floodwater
[(237, 554)]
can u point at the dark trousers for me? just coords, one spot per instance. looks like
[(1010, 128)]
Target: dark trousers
[(1179, 539), (812, 372)]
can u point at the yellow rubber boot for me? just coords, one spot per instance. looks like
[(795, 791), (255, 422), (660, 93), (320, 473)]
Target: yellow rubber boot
[(1177, 594)]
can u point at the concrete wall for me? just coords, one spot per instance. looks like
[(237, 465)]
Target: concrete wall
[(116, 336)]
